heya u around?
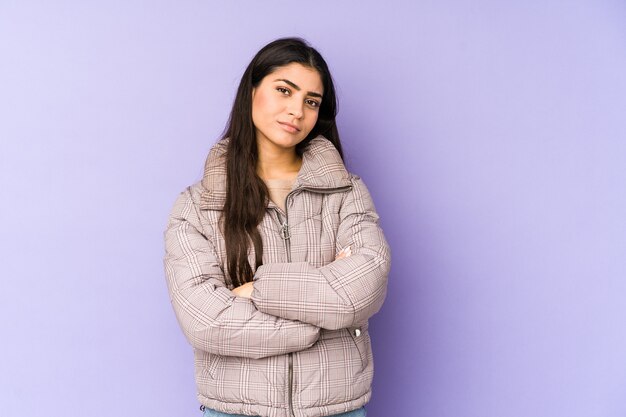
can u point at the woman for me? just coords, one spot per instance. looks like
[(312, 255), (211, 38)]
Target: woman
[(275, 260)]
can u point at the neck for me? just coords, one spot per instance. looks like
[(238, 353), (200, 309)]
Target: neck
[(277, 163)]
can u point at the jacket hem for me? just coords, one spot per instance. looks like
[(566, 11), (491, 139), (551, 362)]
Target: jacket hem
[(269, 411)]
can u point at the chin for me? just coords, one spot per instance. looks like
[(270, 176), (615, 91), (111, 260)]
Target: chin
[(287, 141)]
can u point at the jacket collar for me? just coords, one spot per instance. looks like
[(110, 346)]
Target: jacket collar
[(322, 170)]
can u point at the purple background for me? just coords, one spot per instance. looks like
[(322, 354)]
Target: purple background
[(491, 134)]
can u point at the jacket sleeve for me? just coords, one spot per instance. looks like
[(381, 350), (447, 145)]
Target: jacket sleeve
[(212, 318), (344, 293)]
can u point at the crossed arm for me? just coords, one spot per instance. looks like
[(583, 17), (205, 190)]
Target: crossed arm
[(246, 289), (342, 294), (268, 316)]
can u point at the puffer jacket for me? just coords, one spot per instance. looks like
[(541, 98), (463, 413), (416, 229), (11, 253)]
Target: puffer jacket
[(300, 346)]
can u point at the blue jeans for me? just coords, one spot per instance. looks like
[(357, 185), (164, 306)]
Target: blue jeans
[(359, 412)]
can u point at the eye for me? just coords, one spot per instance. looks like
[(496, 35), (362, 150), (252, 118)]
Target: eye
[(312, 103), (283, 90)]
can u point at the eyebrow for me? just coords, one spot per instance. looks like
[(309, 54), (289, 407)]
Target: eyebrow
[(292, 84)]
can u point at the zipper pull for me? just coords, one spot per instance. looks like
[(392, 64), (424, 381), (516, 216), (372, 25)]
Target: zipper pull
[(284, 231)]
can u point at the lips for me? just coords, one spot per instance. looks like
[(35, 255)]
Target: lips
[(289, 127)]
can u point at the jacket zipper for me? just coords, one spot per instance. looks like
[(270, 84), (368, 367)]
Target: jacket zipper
[(291, 413), (323, 190), (286, 236)]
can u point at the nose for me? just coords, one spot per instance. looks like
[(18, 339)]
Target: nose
[(295, 109)]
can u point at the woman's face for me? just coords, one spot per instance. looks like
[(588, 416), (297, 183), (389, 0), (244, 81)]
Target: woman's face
[(285, 106)]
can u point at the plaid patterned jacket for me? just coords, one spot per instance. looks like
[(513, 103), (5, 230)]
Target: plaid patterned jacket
[(300, 347)]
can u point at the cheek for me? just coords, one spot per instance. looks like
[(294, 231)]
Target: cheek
[(262, 103), (312, 119), (256, 107)]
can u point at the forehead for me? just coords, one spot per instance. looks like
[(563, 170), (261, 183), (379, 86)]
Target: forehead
[(307, 78)]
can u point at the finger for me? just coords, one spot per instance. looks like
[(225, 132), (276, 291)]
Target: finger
[(345, 252)]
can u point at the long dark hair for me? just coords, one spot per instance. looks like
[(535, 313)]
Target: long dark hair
[(247, 195)]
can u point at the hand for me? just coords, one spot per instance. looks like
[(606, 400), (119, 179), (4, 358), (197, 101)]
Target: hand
[(244, 290), (344, 253)]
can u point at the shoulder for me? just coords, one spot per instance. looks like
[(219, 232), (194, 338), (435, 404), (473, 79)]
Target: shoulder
[(210, 191), (214, 178), (357, 198), (188, 201)]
